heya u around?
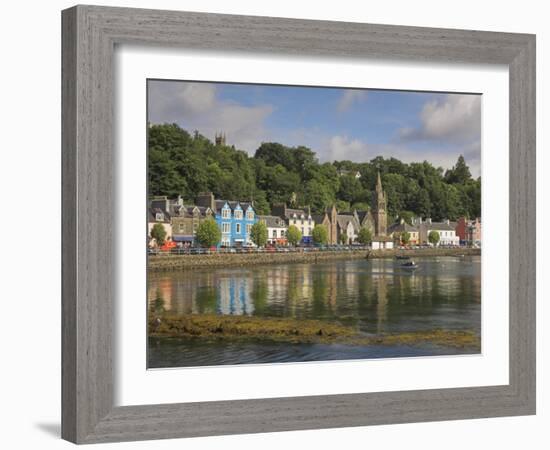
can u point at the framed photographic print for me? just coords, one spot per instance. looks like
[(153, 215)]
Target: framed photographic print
[(268, 222)]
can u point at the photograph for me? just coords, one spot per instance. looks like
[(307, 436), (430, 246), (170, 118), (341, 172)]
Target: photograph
[(293, 224)]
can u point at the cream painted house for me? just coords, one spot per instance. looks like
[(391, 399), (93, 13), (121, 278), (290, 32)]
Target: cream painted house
[(157, 215)]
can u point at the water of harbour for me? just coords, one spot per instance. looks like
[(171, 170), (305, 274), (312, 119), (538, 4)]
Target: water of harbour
[(372, 296)]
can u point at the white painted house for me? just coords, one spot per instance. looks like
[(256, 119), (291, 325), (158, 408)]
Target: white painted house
[(446, 230), (276, 229)]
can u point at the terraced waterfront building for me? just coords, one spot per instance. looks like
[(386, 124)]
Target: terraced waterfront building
[(234, 218)]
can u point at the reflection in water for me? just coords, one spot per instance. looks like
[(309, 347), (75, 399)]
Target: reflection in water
[(374, 296)]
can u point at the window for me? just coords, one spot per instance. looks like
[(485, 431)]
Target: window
[(181, 227), (250, 215), (238, 214), (248, 229), (226, 227), (302, 231), (195, 226), (274, 233), (238, 228), (226, 213), (159, 217)]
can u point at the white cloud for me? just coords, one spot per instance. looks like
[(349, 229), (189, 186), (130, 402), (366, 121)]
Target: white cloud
[(349, 97), (196, 106), (456, 118), (341, 147)]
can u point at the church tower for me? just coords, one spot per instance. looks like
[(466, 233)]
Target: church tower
[(333, 232), (379, 209), (220, 138)]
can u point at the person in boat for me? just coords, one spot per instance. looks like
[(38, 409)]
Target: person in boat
[(409, 264)]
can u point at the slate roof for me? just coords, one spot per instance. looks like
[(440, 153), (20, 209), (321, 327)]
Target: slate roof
[(362, 214), (344, 219), (273, 221), (152, 215), (232, 204), (299, 212), (400, 227), (318, 218), (439, 226)]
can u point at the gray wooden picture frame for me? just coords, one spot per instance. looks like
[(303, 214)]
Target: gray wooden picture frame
[(90, 34)]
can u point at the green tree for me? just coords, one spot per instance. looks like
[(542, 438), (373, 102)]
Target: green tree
[(183, 164), (433, 237), (350, 189), (460, 173), (407, 216), (318, 195), (261, 205), (208, 233), (158, 233), (320, 234), (360, 206), (342, 205), (365, 236), (344, 238), (405, 237), (258, 234), (293, 235)]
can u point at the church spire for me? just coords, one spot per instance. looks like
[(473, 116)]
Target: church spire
[(379, 183), (379, 208)]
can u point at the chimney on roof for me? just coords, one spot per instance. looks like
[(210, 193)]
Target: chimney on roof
[(160, 202), (447, 221), (429, 220)]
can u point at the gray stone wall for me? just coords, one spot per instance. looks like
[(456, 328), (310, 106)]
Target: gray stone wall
[(187, 262)]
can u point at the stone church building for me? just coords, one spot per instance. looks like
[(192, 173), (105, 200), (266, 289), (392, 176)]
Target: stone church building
[(376, 220)]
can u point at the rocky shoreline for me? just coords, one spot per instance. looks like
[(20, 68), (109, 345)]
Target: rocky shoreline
[(159, 263), (214, 327)]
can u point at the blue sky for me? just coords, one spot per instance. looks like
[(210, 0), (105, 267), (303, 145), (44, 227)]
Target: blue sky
[(337, 123)]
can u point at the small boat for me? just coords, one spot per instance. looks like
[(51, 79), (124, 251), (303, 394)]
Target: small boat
[(410, 265), (402, 257)]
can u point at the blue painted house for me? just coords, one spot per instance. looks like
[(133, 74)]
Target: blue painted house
[(234, 218)]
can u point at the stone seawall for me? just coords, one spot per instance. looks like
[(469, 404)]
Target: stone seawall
[(187, 262)]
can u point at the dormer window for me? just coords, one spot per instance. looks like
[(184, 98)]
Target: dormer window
[(238, 214), (226, 213), (250, 215), (159, 217)]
